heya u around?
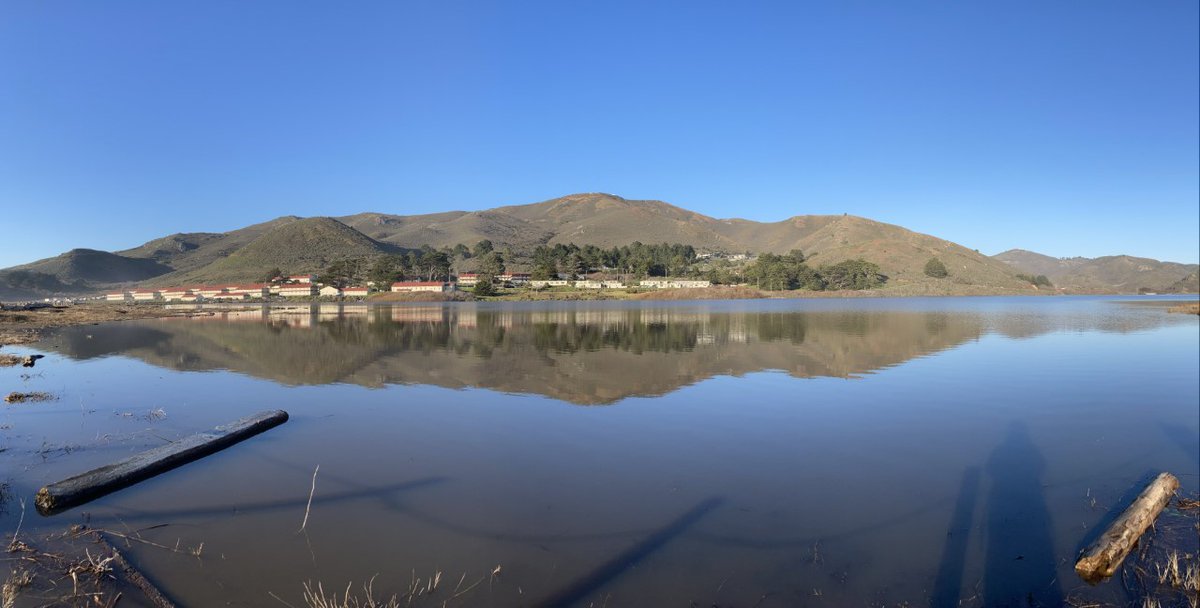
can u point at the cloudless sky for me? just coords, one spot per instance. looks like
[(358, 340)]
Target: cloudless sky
[(1068, 128)]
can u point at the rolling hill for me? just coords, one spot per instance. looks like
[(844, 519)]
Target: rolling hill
[(75, 271), (606, 220), (1118, 273), (296, 244)]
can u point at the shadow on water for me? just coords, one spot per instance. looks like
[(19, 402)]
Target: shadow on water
[(948, 585), (613, 568), (1020, 566), (289, 504), (1186, 439)]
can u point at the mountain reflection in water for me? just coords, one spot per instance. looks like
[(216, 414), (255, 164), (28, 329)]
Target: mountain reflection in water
[(583, 355)]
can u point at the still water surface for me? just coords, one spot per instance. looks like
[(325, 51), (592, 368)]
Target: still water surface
[(752, 453)]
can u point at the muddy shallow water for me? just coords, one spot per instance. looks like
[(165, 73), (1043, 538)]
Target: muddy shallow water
[(769, 453)]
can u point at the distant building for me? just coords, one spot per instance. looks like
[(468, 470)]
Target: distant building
[(589, 284), (298, 290), (516, 278), (612, 285), (176, 293), (410, 286), (468, 279), (253, 290), (550, 283), (120, 296), (302, 278), (674, 283), (356, 292), (143, 295), (329, 290), (208, 291)]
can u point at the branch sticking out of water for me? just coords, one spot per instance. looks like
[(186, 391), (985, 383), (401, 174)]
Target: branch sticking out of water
[(308, 508)]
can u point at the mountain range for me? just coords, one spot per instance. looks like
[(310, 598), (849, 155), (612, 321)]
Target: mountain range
[(298, 245)]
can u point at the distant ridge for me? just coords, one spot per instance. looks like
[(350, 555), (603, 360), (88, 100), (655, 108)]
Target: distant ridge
[(297, 244), (1109, 274), (76, 271)]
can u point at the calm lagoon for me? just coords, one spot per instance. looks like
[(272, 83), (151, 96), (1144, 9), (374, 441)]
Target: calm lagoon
[(744, 453)]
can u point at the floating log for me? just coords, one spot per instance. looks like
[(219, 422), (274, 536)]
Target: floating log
[(1102, 558), (89, 486)]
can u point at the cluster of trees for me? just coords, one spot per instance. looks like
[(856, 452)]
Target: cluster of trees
[(936, 269), (426, 264), (1040, 280), (769, 271), (789, 271), (637, 259)]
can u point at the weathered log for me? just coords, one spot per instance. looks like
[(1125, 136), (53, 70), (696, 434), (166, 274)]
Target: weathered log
[(93, 484), (1102, 558)]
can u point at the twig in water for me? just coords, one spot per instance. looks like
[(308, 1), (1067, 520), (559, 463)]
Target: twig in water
[(310, 497), (12, 546)]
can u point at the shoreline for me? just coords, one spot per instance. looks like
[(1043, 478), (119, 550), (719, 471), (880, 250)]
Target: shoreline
[(25, 326)]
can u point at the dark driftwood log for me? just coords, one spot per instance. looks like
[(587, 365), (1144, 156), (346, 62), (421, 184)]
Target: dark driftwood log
[(135, 577), (1101, 560), (89, 486)]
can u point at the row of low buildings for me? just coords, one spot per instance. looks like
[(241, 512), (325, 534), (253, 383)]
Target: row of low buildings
[(299, 286), (305, 286), (468, 280), (471, 279)]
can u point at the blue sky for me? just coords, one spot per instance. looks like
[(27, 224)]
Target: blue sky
[(1069, 128)]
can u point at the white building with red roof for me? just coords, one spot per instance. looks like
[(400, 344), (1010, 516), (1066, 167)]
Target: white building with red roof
[(411, 286)]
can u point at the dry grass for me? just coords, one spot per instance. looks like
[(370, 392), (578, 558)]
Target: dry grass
[(11, 360), (421, 591), (18, 580), (703, 293), (1191, 308), (315, 597), (28, 397)]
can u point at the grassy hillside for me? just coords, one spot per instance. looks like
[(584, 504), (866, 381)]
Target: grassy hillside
[(188, 251), (300, 246), (91, 266), (1119, 273), (606, 221), (305, 245), (1188, 284), (76, 271)]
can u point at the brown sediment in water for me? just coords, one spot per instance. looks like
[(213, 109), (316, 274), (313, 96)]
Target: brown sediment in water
[(28, 397), (1191, 308), (25, 326)]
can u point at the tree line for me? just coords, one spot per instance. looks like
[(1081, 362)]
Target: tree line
[(636, 260), (790, 271)]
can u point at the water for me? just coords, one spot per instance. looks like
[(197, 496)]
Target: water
[(750, 453)]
